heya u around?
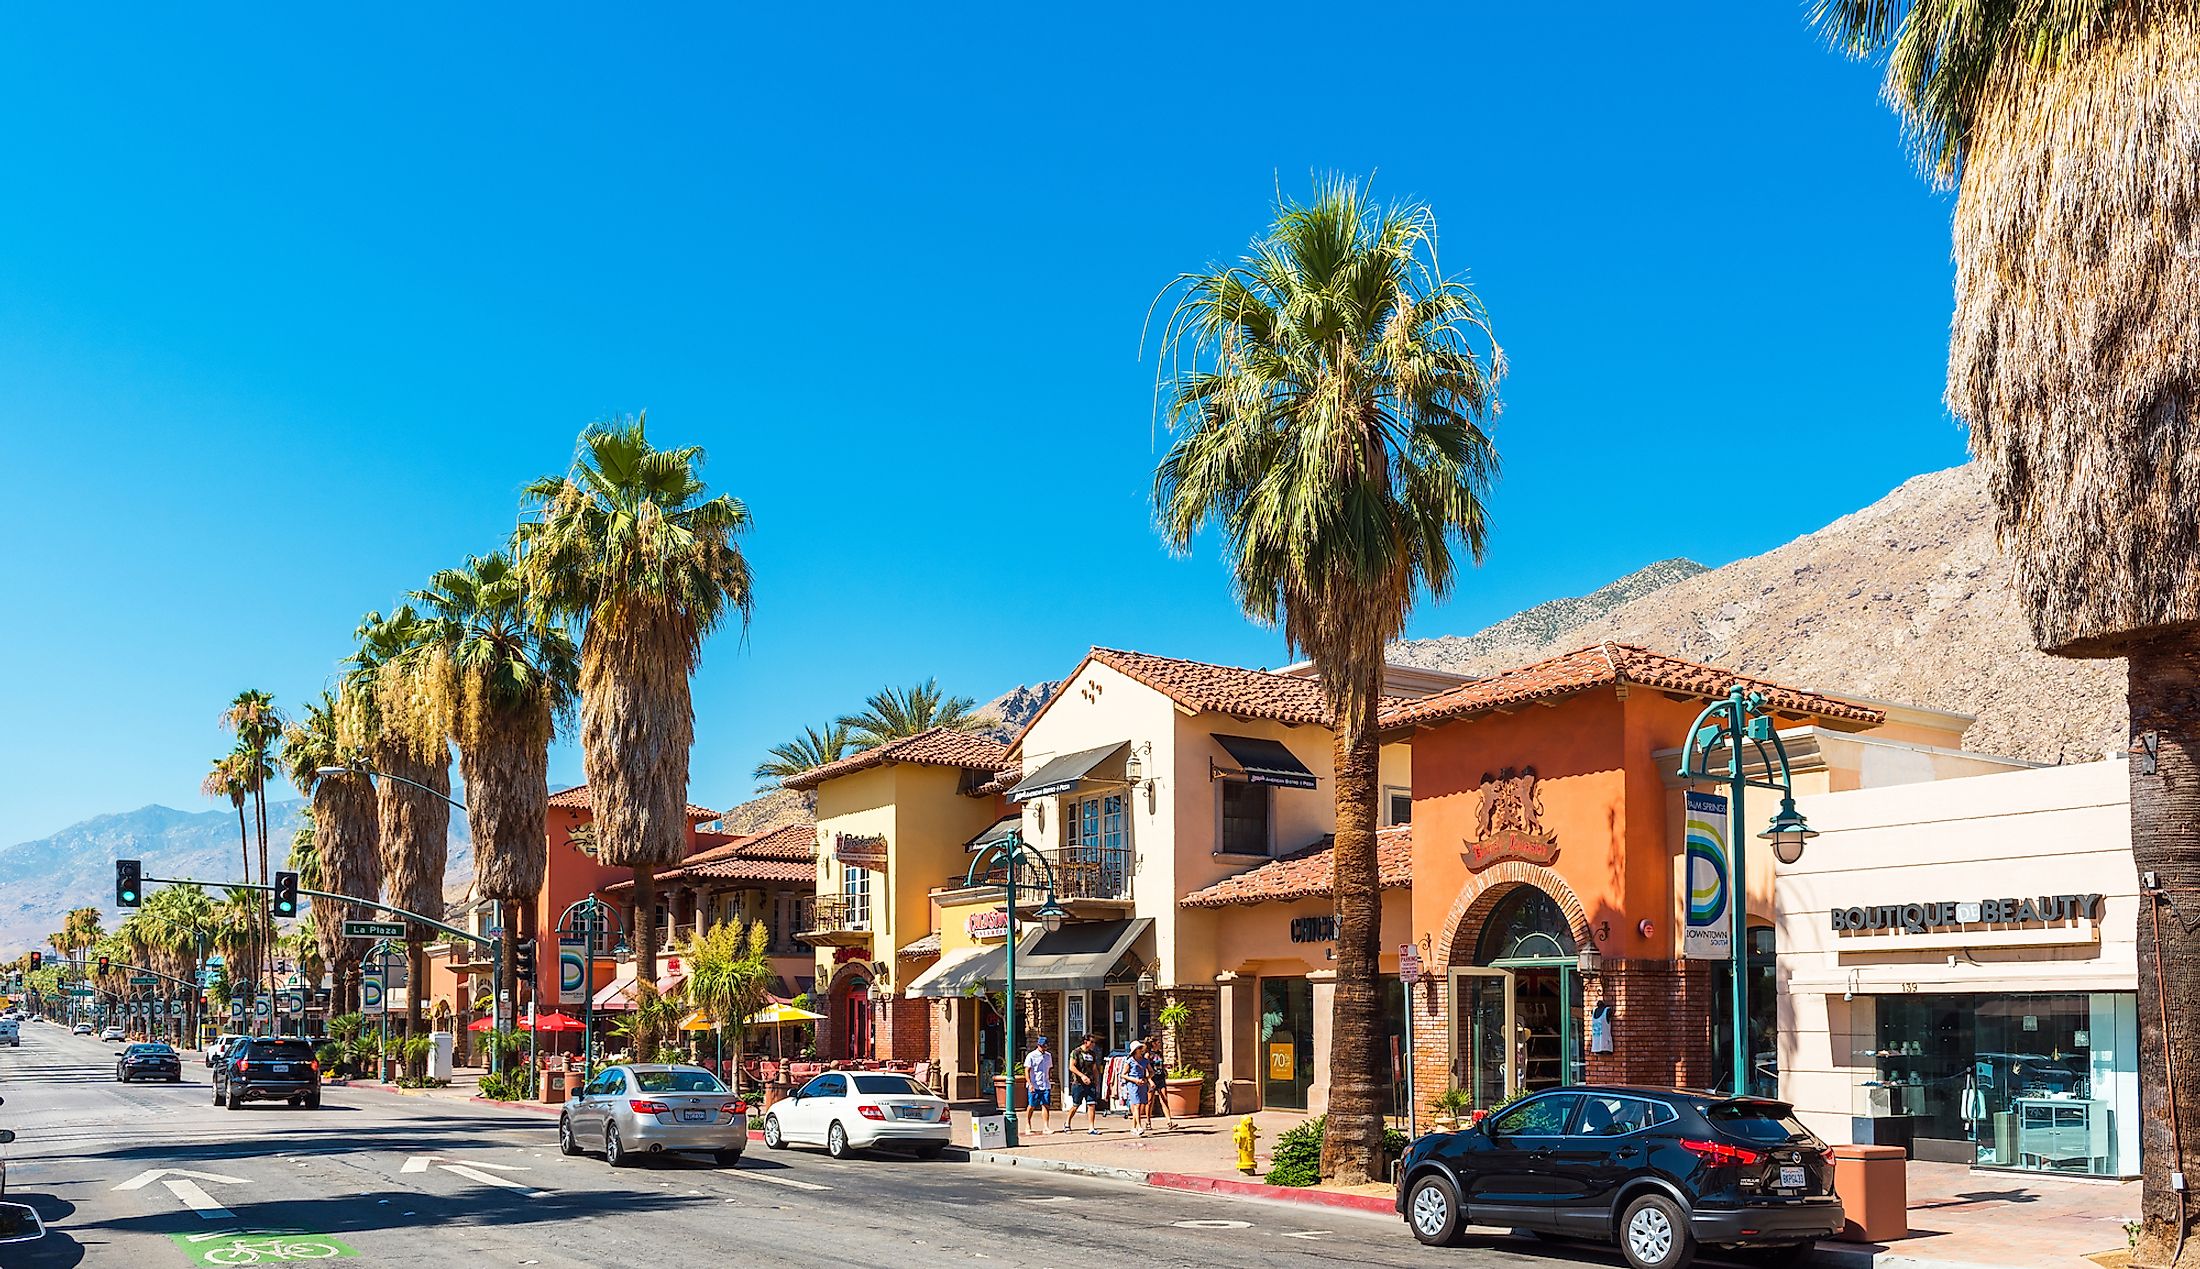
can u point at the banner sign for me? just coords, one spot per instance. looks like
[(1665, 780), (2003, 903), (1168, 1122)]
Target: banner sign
[(370, 993), (1710, 932), (572, 971)]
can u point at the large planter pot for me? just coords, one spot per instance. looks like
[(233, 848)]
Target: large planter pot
[(1001, 1093), (1183, 1095)]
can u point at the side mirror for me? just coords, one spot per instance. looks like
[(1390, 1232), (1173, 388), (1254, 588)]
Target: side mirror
[(7, 1136), (19, 1223)]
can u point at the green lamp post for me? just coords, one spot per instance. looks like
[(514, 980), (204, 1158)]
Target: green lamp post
[(1009, 855), (1740, 720)]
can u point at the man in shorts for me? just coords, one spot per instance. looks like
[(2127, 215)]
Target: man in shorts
[(1039, 1086), (1084, 1086)]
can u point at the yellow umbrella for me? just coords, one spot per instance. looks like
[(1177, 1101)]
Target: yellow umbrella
[(697, 1021), (778, 1014)]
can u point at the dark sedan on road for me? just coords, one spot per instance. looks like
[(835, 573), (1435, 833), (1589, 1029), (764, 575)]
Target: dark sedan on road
[(1658, 1171), (268, 1069), (148, 1062)]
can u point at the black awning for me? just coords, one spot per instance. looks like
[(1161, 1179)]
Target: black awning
[(999, 831), (1267, 762), (1059, 775)]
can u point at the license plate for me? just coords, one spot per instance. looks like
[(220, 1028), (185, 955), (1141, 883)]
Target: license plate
[(694, 1116), (1791, 1179), (913, 1112), (279, 1068)]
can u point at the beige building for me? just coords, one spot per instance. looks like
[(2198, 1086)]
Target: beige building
[(1957, 963)]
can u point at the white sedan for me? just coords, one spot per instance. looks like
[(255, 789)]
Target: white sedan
[(853, 1110)]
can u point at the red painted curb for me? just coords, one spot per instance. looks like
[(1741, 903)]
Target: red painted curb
[(538, 1107), (1287, 1193)]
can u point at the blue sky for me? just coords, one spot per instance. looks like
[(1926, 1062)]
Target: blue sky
[(292, 304)]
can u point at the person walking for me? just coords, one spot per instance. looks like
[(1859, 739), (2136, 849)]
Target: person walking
[(1157, 1083), (1134, 1087), (1039, 1086), (1084, 1086)]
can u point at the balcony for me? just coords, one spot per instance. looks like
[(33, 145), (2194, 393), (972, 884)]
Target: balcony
[(836, 922), (1100, 874)]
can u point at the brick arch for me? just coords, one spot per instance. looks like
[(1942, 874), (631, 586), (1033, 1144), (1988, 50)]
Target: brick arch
[(1480, 897)]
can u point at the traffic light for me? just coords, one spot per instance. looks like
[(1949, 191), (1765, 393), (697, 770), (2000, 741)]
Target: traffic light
[(102, 964), (129, 887), (523, 961), (38, 960), (286, 894)]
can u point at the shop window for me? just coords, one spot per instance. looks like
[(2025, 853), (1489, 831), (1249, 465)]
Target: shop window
[(1245, 818), (1397, 806), (1094, 862), (855, 886)]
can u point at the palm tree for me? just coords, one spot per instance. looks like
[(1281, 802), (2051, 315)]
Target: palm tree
[(1328, 393), (180, 921), (345, 846), (258, 725), (226, 779), (813, 748), (892, 713), (2066, 130), (240, 938), (729, 975), (627, 545), (401, 718), (510, 677)]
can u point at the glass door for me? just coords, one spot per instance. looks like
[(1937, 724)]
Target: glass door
[(1286, 1042), (1482, 1028)]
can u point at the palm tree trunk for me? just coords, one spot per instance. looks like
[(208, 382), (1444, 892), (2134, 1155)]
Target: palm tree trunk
[(1352, 1144), (267, 900), (645, 924), (416, 979), (2164, 689)]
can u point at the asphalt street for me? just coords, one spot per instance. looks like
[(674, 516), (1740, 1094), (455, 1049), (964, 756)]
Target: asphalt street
[(155, 1175)]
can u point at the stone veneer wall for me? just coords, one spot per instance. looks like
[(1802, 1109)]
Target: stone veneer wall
[(1197, 1043)]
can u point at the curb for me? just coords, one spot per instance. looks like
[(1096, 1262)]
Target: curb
[(1306, 1196), (1065, 1166)]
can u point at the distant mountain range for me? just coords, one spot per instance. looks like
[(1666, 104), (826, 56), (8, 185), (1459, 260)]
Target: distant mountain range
[(40, 881)]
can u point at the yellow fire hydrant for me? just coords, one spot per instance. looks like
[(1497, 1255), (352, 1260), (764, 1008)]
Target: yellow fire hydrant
[(1245, 1136)]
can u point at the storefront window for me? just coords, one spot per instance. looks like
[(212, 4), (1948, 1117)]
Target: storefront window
[(1286, 1042), (2044, 1083)]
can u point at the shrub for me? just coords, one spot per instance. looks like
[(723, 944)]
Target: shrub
[(330, 1056), (1297, 1158), (511, 1085)]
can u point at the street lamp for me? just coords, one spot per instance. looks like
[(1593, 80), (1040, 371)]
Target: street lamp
[(585, 919), (1009, 854), (1743, 719)]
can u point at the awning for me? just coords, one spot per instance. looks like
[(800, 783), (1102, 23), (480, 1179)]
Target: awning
[(1059, 775), (619, 994), (999, 831), (1267, 762), (1077, 957), (950, 977)]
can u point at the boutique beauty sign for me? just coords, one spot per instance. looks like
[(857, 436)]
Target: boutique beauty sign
[(1923, 918), (1709, 935)]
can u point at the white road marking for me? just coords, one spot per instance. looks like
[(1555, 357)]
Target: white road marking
[(1308, 1233), (473, 1172), (788, 1181), (197, 1199), (150, 1175), (185, 1186), (1212, 1224)]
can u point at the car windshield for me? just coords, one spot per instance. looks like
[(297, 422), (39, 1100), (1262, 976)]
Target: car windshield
[(147, 1050), (282, 1051), (678, 1081), (1773, 1122), (893, 1085)]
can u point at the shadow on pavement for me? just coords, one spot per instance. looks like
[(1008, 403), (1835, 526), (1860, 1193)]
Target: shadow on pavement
[(57, 1249)]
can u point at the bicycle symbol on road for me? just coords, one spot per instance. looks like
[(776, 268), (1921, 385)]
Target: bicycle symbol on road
[(259, 1247)]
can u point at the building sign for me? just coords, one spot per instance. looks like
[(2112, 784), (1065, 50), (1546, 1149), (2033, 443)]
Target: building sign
[(1921, 918), (1509, 822), (1314, 929), (989, 924), (859, 850), (1710, 932), (1409, 964)]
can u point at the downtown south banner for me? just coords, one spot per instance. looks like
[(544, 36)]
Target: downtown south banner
[(1710, 932), (572, 971)]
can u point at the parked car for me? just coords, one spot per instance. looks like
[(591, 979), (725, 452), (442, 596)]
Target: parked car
[(11, 1033), (845, 1111), (149, 1062), (268, 1069), (112, 1034), (1658, 1171), (627, 1111), (81, 1028)]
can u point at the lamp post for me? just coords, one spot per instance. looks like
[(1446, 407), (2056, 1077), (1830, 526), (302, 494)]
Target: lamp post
[(585, 918), (1743, 719), (1010, 854)]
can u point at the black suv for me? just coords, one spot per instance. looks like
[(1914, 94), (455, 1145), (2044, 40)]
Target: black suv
[(1657, 1171), (268, 1069)]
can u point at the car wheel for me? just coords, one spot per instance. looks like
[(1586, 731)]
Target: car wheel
[(772, 1136), (613, 1153), (236, 1099), (836, 1141), (313, 1100), (1432, 1211), (1653, 1234), (728, 1158), (217, 1094), (296, 1102), (566, 1145)]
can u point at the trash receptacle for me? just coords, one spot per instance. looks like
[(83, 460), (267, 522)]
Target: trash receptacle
[(439, 1054), (988, 1132), (552, 1087), (1875, 1195)]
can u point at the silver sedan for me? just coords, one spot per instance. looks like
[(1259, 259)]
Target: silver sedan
[(627, 1111)]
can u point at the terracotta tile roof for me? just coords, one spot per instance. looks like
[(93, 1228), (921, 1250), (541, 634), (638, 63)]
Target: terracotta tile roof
[(1222, 689), (576, 799), (1002, 781), (1611, 665), (939, 747), (1309, 873), (929, 945), (785, 854)]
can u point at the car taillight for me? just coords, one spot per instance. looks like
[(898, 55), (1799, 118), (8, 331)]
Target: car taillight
[(315, 1064), (643, 1107), (735, 1108), (240, 1066), (1721, 1155), (1825, 1156), (870, 1112)]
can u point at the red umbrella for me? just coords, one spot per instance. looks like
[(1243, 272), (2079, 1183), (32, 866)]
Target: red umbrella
[(482, 1024), (553, 1022)]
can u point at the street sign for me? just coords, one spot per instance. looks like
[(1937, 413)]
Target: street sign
[(374, 929), (1409, 964), (143, 980)]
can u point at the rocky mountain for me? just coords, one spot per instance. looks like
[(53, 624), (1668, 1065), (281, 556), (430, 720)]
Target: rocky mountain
[(1906, 600), (1016, 707), (40, 881), (1519, 638)]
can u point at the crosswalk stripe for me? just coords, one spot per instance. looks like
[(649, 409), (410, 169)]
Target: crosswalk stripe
[(787, 1181)]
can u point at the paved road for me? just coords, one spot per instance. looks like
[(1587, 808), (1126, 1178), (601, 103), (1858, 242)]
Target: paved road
[(87, 1142)]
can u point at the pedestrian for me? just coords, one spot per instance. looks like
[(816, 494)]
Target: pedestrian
[(1084, 1086), (1157, 1082), (1039, 1085), (1134, 1087)]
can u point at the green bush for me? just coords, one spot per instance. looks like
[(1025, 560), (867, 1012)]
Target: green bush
[(330, 1056), (510, 1085), (1297, 1158)]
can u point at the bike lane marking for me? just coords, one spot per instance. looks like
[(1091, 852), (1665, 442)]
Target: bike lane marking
[(258, 1247)]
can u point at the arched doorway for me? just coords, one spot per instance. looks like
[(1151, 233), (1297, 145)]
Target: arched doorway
[(1517, 1023), (854, 1010)]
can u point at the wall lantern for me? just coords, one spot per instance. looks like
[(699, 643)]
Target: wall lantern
[(1788, 832), (1145, 983), (1589, 961)]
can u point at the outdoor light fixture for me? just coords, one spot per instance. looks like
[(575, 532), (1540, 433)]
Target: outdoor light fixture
[(1052, 914), (1589, 961), (1788, 832), (1145, 983), (1134, 768)]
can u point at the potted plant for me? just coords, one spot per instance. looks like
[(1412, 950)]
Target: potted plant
[(1184, 1082), (1005, 1097), (1449, 1106)]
